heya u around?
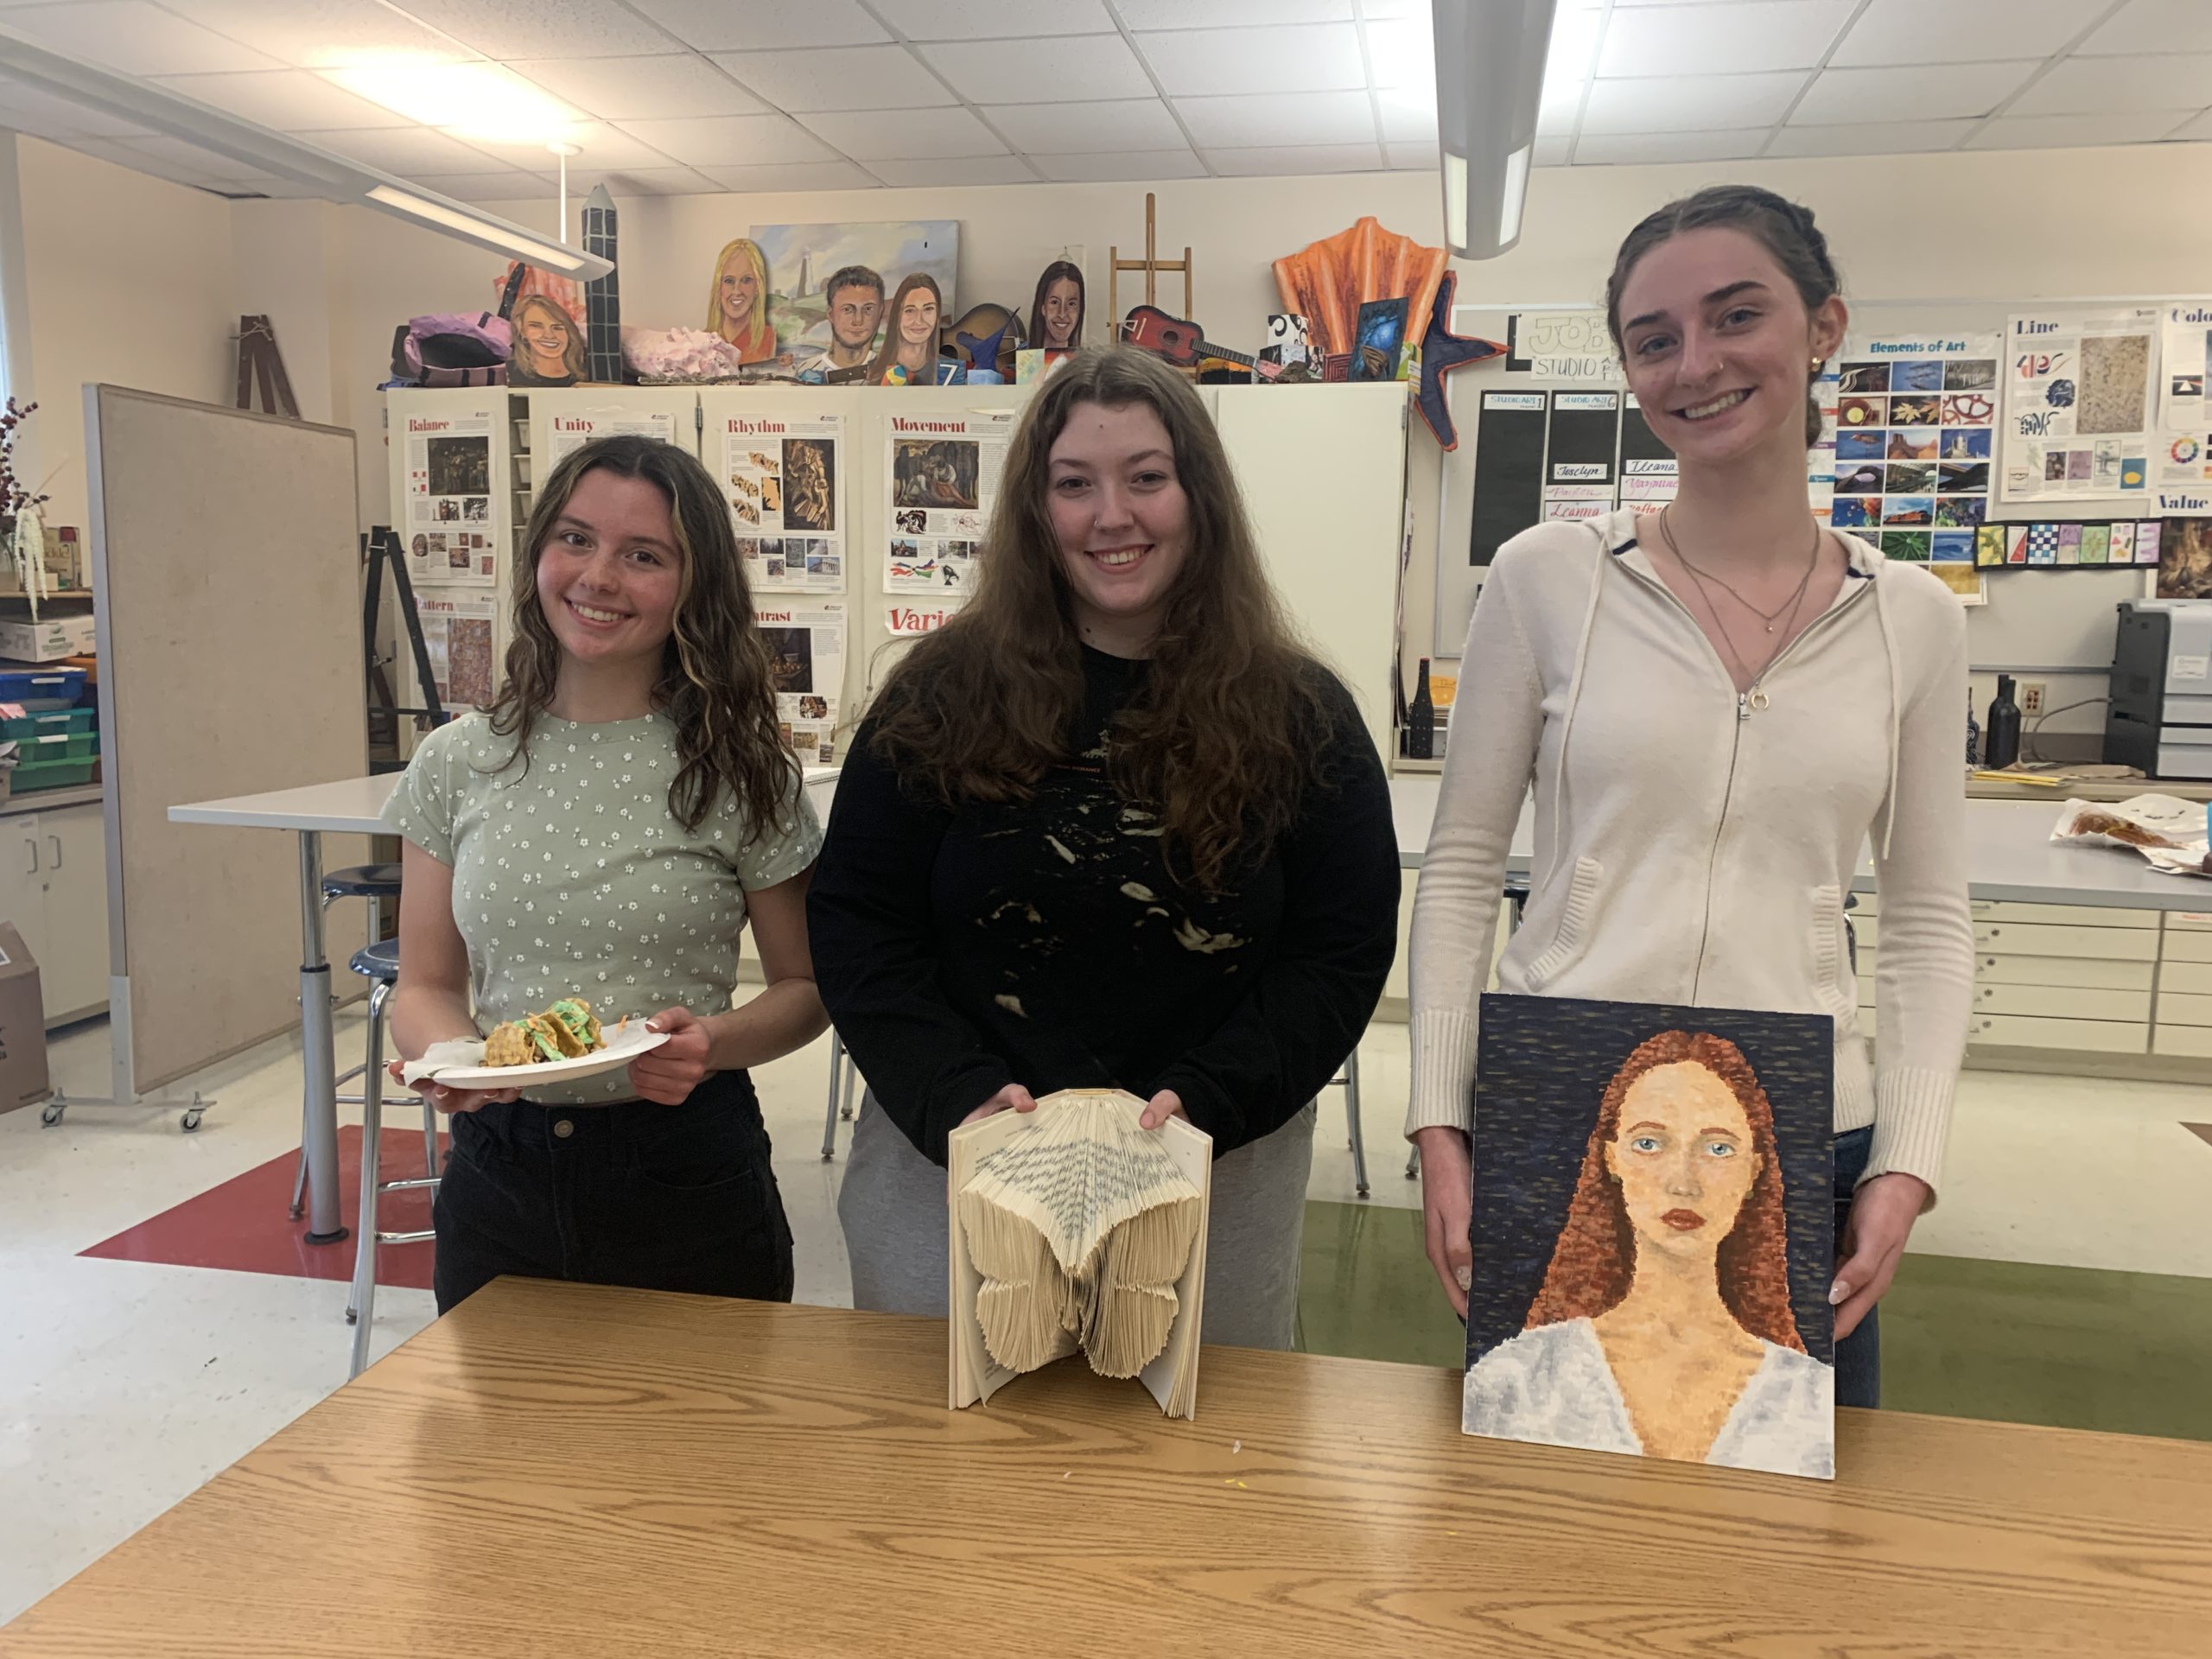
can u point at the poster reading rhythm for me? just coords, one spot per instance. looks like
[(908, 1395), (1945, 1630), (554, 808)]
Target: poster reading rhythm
[(784, 478)]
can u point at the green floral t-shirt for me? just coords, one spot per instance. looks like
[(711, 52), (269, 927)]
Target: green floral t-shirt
[(573, 879)]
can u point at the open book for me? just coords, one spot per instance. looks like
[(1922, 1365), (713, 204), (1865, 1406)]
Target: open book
[(1073, 1228)]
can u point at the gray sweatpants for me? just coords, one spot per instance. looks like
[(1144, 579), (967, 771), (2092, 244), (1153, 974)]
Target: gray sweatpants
[(892, 1207)]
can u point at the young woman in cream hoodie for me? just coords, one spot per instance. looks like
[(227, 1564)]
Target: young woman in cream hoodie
[(1717, 706)]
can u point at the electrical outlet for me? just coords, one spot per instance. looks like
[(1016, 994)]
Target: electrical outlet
[(2031, 697)]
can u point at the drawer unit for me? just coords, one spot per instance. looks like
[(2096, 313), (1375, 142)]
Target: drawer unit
[(2191, 1042), (2183, 1008), (2184, 945), (2086, 974), (2063, 1003), (2190, 921), (2143, 921), (2094, 1036), (2194, 977), (2095, 943)]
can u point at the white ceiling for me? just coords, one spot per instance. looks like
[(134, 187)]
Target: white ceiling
[(677, 96)]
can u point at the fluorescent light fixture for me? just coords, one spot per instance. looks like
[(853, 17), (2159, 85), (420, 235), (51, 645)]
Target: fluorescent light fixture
[(475, 100), (1489, 81), (331, 176)]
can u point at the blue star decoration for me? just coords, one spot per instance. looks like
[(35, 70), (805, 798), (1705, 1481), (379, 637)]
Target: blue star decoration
[(1442, 351)]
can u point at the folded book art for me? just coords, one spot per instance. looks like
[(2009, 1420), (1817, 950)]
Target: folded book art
[(1074, 1230)]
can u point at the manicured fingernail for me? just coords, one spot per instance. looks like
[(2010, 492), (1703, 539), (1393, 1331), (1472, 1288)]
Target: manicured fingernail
[(1839, 1294)]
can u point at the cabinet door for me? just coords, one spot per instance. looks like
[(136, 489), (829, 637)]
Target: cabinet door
[(22, 882), (73, 866)]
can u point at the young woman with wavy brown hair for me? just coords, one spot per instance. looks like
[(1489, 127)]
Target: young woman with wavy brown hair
[(1664, 1324), (606, 831), (1110, 827)]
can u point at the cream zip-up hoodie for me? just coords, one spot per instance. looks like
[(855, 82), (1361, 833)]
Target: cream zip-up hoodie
[(1691, 848)]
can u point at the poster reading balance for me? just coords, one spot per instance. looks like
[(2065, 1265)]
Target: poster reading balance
[(783, 477), (941, 478), (2077, 404), (806, 668), (450, 534)]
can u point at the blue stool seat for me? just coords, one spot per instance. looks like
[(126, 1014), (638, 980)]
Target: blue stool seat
[(378, 961), (361, 881)]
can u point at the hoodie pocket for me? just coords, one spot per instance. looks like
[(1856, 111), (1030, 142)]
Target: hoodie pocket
[(1575, 921), (1835, 988)]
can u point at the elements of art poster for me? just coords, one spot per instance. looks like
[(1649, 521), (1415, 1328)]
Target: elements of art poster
[(784, 478), (1915, 424), (2077, 404), (801, 258), (1653, 1232), (941, 479)]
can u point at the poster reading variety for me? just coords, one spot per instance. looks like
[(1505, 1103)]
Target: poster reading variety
[(784, 478), (457, 632), (450, 524), (806, 664), (902, 620), (571, 429), (941, 479), (1915, 421), (2078, 404)]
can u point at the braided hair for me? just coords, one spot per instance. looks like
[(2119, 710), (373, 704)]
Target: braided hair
[(1782, 227)]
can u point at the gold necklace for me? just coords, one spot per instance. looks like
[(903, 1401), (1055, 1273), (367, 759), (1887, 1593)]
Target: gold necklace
[(1812, 564)]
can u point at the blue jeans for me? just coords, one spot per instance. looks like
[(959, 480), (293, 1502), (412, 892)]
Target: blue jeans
[(1858, 1355)]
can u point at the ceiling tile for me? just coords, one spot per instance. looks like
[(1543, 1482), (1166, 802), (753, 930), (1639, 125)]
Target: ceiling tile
[(642, 89), (1276, 119), (1553, 152), (1290, 58), (2074, 131), (796, 175), (838, 78), (955, 169), (1687, 102), (599, 149), (518, 188), (1129, 166), (544, 28), (408, 152), (1235, 13), (633, 181), (31, 109), (1402, 53), (720, 26), (318, 34), (1409, 115), (1081, 66), (1958, 31), (2180, 80), (1560, 112), (1294, 159), (136, 38), (1602, 149), (972, 19), (1123, 125), (290, 100), (1411, 158), (1734, 38), (729, 140), (867, 135), (2200, 128), (1572, 54), (1925, 92), (2152, 26), (1396, 7), (1870, 138)]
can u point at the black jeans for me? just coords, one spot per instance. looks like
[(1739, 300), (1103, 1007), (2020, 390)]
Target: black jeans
[(660, 1197)]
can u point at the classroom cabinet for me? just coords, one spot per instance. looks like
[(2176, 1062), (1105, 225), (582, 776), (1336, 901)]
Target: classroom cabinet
[(54, 891)]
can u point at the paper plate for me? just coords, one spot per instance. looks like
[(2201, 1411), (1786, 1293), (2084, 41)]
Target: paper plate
[(622, 1047)]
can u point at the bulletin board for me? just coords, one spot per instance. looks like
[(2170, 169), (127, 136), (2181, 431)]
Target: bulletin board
[(227, 580)]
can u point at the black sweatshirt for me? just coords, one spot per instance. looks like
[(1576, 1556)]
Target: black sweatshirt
[(1044, 942)]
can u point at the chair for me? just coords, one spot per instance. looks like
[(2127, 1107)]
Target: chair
[(371, 882), (1515, 894), (379, 964), (1348, 1079), (843, 1074)]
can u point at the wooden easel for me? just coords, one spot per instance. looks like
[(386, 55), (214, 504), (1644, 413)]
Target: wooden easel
[(261, 363), (1150, 265)]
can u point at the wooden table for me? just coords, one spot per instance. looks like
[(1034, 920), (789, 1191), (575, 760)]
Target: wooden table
[(557, 1469)]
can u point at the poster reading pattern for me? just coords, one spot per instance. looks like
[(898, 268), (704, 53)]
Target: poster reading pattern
[(1916, 419), (941, 479), (784, 478)]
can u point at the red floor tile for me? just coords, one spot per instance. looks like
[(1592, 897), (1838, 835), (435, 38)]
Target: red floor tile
[(243, 1224)]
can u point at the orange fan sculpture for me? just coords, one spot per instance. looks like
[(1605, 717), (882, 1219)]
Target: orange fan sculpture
[(1328, 282)]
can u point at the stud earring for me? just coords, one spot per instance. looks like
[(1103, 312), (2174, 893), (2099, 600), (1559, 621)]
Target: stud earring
[(1817, 365)]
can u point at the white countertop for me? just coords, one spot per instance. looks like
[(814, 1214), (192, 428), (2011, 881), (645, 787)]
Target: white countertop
[(353, 805), (2010, 856)]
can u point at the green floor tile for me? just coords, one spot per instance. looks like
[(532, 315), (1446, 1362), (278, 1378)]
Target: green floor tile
[(2072, 1347)]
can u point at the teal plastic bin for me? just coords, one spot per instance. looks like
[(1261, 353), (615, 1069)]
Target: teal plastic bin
[(62, 722)]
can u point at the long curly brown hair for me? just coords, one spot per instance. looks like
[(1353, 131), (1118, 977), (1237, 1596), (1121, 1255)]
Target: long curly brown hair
[(1226, 733), (714, 684), (1594, 1262)]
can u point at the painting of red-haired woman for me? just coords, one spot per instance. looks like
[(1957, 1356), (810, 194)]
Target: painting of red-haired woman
[(1671, 1316)]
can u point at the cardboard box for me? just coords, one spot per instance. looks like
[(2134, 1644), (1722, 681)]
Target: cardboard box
[(49, 639), (24, 1080)]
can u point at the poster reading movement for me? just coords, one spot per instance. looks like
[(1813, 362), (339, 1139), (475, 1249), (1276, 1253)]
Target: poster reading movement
[(2078, 404), (571, 429), (457, 632), (1916, 419), (941, 479), (806, 664), (783, 478), (449, 533)]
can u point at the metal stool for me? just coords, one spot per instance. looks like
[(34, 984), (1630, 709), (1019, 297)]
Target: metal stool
[(1349, 1078), (1515, 894), (380, 964), (843, 1074), (371, 882)]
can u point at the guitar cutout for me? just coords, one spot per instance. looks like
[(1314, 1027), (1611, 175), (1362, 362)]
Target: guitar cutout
[(1184, 343)]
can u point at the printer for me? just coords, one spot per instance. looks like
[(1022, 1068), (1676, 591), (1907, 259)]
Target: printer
[(2159, 720)]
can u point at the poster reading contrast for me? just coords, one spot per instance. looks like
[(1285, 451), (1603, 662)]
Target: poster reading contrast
[(806, 666), (941, 479), (783, 477)]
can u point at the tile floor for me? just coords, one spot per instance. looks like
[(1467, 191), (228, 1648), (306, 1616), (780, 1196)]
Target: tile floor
[(2067, 1277)]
